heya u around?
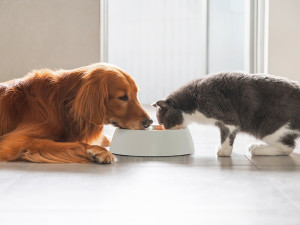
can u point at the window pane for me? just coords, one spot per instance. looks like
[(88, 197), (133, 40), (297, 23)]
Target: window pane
[(227, 28), (158, 42)]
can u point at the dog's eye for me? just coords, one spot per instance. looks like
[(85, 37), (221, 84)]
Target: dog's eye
[(124, 98)]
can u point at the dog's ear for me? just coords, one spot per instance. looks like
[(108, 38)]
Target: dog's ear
[(162, 104), (90, 102)]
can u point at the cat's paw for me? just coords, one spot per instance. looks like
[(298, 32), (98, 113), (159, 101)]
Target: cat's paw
[(269, 150), (224, 151), (257, 149)]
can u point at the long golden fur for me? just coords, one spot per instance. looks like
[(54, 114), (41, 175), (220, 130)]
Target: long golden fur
[(54, 116)]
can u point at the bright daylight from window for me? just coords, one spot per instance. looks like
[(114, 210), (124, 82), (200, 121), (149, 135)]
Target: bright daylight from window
[(166, 43)]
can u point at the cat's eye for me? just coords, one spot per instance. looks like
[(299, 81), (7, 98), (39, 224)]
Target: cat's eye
[(124, 98)]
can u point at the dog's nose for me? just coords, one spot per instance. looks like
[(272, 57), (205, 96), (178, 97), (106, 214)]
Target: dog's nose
[(147, 122)]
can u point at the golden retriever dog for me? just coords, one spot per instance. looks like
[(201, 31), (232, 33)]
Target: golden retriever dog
[(54, 116)]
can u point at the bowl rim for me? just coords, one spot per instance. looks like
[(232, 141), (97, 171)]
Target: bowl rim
[(148, 130)]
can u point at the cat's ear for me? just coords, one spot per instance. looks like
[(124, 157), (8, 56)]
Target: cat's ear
[(162, 104), (154, 104)]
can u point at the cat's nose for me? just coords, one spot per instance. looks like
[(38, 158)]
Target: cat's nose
[(147, 122)]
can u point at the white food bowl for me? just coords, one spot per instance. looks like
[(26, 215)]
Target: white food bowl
[(152, 142)]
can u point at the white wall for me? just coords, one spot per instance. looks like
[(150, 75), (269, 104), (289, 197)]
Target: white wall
[(284, 38), (44, 33)]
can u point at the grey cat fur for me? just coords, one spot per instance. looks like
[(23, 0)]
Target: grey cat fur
[(256, 104)]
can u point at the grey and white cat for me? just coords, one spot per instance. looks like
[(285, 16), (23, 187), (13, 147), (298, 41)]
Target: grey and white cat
[(264, 106)]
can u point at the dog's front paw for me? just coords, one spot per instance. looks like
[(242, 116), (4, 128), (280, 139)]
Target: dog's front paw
[(100, 155), (105, 141), (224, 152)]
